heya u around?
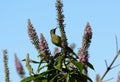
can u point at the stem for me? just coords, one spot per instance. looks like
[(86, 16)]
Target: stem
[(60, 20), (6, 70)]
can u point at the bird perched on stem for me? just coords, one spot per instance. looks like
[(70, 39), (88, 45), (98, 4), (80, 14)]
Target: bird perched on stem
[(57, 40)]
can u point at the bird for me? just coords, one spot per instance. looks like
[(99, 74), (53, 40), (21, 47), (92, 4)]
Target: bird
[(56, 40)]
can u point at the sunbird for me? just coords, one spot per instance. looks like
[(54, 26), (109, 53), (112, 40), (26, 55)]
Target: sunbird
[(56, 39)]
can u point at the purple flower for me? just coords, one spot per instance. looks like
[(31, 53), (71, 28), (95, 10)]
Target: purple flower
[(88, 31), (44, 49), (33, 35), (43, 43), (19, 67), (83, 56), (83, 52), (56, 50)]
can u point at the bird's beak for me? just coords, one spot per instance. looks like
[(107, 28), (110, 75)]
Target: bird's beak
[(56, 28)]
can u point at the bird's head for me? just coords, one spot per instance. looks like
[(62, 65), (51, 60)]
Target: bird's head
[(52, 31)]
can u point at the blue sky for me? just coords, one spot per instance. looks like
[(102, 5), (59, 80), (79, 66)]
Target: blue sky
[(103, 16)]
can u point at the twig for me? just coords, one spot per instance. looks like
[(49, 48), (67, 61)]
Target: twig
[(108, 79), (109, 67), (115, 66), (116, 43), (106, 63)]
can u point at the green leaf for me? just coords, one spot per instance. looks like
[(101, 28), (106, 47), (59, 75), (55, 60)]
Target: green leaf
[(86, 77), (41, 61), (47, 72), (78, 65), (33, 61), (40, 80), (35, 78), (28, 79), (62, 77), (44, 81), (54, 78), (39, 69), (67, 77), (90, 65), (58, 63)]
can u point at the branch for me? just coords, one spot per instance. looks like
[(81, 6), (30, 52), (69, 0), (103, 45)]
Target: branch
[(109, 67)]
